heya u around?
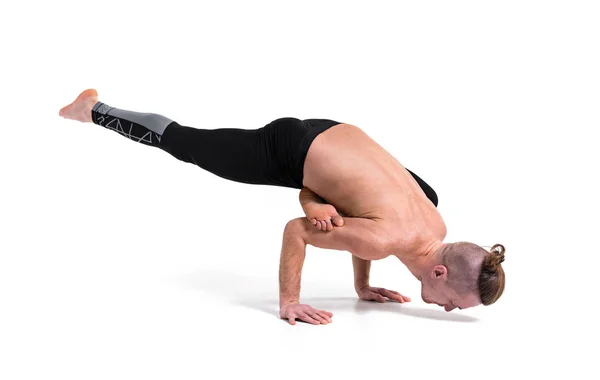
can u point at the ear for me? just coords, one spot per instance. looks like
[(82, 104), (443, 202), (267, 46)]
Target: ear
[(439, 272)]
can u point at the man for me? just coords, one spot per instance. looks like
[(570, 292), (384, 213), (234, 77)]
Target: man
[(356, 197)]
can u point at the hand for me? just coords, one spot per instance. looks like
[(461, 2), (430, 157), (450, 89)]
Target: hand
[(369, 293), (304, 313), (323, 216)]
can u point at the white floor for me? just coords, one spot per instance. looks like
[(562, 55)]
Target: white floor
[(119, 262)]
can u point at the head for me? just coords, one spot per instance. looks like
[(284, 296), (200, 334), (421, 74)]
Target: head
[(463, 275)]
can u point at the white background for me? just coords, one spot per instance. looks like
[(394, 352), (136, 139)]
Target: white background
[(119, 262)]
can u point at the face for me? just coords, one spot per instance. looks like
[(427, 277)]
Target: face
[(435, 289)]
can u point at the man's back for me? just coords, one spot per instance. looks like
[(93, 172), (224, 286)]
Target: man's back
[(352, 172)]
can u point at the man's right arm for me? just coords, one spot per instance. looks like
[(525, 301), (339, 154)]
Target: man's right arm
[(293, 252), (360, 236)]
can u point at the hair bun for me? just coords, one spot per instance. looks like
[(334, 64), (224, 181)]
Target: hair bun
[(497, 256), (499, 248)]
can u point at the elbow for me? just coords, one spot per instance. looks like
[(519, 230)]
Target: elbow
[(296, 224), (295, 227)]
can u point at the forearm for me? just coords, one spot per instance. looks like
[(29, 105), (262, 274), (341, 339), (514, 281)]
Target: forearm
[(362, 269), (293, 251)]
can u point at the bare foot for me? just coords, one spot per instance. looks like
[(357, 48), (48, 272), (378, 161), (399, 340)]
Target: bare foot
[(81, 108)]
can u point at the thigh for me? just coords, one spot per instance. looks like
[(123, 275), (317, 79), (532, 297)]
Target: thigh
[(278, 150), (230, 153)]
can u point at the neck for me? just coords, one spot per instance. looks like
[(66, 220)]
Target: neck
[(421, 260)]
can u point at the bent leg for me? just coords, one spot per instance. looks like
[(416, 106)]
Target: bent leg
[(429, 192)]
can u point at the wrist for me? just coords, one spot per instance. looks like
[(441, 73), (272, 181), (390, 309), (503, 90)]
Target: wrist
[(360, 286), (282, 303)]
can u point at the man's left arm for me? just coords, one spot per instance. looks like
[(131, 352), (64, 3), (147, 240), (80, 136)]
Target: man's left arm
[(362, 269), (364, 290)]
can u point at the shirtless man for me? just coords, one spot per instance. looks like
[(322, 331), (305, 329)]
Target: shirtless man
[(356, 197)]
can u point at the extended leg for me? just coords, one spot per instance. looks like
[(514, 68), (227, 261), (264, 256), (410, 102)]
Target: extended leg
[(230, 153)]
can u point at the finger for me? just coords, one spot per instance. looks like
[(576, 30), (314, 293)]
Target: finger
[(313, 221), (324, 316), (307, 318), (405, 298), (319, 224), (326, 313), (323, 225), (329, 225), (370, 296), (316, 316), (378, 298), (391, 295), (292, 320)]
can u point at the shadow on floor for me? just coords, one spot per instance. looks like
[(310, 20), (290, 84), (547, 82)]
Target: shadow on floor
[(260, 294)]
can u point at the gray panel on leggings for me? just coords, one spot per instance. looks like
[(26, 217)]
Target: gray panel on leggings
[(154, 122)]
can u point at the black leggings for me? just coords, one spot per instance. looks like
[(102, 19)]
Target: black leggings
[(272, 155)]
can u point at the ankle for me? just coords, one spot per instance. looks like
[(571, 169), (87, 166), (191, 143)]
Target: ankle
[(87, 110)]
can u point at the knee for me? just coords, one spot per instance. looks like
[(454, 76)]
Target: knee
[(428, 190), (432, 197), (430, 193)]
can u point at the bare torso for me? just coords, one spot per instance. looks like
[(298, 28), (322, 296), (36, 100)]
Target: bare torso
[(350, 171)]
